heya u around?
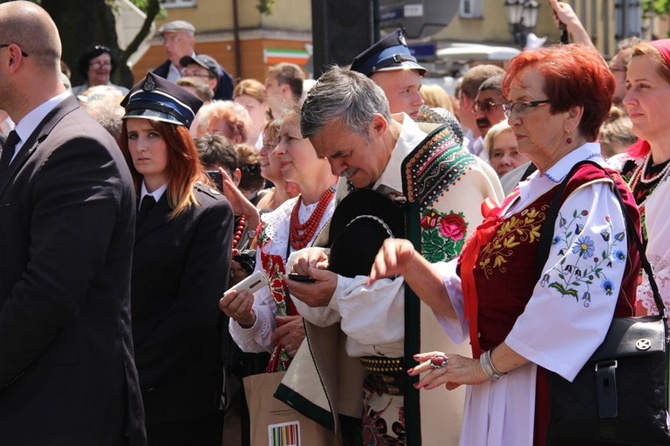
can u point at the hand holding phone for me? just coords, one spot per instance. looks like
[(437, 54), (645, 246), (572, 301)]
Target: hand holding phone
[(301, 278), (217, 179), (253, 283)]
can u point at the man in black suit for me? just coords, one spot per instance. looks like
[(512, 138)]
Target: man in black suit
[(67, 219), (179, 42)]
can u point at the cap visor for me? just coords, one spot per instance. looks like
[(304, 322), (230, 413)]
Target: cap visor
[(406, 65), (153, 115)]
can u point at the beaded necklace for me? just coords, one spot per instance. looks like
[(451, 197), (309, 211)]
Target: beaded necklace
[(301, 234), (646, 185), (241, 224)]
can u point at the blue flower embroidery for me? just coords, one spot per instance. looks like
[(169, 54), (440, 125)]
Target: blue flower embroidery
[(608, 286), (575, 278), (620, 256), (584, 247)]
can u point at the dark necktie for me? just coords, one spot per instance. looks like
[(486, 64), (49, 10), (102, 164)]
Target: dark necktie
[(8, 151), (148, 202)]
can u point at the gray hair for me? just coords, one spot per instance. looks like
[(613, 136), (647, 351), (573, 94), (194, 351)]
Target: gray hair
[(346, 96)]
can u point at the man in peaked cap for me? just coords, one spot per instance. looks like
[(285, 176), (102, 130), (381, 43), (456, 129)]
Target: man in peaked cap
[(390, 65), (179, 42), (204, 67)]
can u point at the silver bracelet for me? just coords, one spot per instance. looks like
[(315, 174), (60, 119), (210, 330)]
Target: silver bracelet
[(488, 367)]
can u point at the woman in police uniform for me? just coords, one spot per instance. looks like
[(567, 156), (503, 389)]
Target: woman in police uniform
[(181, 258)]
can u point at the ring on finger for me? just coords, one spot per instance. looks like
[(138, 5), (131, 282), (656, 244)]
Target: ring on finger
[(439, 362), (237, 314)]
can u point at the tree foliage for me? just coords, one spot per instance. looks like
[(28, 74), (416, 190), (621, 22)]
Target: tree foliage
[(90, 22), (656, 7)]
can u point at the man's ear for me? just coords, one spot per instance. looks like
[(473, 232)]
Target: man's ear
[(379, 125)]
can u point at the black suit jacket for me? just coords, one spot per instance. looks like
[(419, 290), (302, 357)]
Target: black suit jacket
[(66, 235), (180, 271), (224, 88)]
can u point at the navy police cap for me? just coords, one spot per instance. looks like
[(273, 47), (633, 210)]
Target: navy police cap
[(390, 53), (158, 99)]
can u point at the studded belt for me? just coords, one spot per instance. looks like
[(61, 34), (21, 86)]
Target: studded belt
[(385, 375)]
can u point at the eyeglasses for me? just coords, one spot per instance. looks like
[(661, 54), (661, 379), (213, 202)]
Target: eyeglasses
[(521, 107), (187, 74), (617, 69), (5, 45), (98, 65), (485, 106)]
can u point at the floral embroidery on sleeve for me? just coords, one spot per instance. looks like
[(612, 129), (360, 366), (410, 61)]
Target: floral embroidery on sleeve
[(442, 234), (584, 261)]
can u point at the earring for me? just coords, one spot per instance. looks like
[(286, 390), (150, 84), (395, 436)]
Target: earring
[(569, 140)]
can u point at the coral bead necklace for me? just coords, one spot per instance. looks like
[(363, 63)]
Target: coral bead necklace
[(301, 234), (241, 224)]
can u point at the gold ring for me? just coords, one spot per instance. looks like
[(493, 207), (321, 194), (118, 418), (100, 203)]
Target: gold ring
[(236, 314)]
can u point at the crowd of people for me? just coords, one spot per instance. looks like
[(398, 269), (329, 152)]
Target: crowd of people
[(396, 226)]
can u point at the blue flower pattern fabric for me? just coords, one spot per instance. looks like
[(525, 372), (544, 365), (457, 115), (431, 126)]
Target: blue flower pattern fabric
[(591, 261)]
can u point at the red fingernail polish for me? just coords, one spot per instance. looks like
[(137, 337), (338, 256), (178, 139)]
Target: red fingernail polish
[(410, 371)]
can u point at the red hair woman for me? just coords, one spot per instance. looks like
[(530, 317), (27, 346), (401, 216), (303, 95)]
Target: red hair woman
[(182, 254)]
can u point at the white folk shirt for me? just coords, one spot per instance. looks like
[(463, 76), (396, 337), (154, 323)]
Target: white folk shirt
[(372, 317), (501, 413), (258, 338)]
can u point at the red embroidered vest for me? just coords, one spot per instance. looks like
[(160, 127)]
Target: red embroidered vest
[(505, 269)]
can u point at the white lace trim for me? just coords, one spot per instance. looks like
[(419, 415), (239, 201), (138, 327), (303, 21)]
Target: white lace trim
[(662, 277)]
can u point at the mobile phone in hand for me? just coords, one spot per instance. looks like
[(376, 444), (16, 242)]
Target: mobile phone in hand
[(217, 179), (301, 278), (253, 283)]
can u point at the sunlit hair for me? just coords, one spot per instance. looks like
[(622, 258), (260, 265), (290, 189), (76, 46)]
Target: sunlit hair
[(493, 133), (234, 115), (346, 96), (574, 76), (291, 74), (249, 165), (271, 132), (475, 76), (201, 87), (616, 133), (183, 167), (250, 87), (435, 96)]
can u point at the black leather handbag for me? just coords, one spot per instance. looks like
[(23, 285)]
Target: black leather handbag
[(620, 396)]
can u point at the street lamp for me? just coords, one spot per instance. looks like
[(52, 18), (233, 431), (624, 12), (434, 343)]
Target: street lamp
[(522, 17)]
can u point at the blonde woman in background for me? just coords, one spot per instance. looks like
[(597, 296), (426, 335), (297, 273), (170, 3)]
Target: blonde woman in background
[(271, 198), (224, 118), (500, 144), (250, 94), (435, 96), (615, 137)]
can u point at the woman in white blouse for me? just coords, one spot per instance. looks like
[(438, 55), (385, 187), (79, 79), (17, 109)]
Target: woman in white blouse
[(524, 322), (268, 321)]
